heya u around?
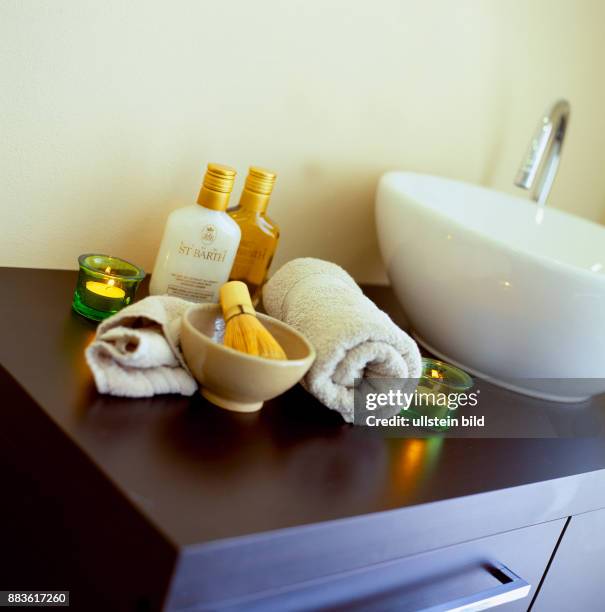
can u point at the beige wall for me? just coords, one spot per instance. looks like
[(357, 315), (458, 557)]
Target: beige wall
[(111, 109)]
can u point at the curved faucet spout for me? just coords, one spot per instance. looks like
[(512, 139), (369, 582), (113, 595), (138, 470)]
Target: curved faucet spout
[(540, 164)]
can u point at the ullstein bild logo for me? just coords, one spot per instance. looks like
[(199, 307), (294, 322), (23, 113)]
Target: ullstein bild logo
[(208, 234)]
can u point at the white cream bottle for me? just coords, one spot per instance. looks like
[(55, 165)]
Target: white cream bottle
[(199, 243)]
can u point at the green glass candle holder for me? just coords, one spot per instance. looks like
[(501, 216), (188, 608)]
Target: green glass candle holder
[(105, 285), (438, 389)]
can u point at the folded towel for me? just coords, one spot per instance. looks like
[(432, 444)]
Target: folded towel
[(136, 352), (352, 337)]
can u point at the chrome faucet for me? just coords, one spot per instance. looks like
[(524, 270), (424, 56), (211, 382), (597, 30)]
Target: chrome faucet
[(542, 159)]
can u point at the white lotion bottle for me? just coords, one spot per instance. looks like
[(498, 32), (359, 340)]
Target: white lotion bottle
[(199, 243)]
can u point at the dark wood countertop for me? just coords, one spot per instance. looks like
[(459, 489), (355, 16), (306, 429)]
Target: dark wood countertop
[(198, 474), (202, 473)]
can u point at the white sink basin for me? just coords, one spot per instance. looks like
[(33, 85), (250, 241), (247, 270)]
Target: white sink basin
[(491, 287)]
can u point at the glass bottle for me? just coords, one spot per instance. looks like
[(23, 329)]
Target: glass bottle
[(260, 234)]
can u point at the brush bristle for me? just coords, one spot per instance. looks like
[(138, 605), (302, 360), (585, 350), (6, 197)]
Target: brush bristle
[(247, 334)]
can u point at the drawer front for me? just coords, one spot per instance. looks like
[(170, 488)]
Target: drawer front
[(575, 580), (446, 579)]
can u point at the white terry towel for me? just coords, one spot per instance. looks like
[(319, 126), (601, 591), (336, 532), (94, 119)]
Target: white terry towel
[(136, 352), (353, 338)]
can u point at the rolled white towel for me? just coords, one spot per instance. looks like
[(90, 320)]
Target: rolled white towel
[(136, 352), (353, 338)]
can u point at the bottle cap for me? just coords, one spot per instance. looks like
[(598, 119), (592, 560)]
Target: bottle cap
[(217, 187), (235, 299), (258, 188)]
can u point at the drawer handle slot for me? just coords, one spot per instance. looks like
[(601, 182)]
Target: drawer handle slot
[(511, 588)]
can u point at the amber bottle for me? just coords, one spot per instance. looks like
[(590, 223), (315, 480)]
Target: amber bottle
[(259, 234)]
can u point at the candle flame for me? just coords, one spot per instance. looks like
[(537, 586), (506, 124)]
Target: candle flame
[(111, 282), (436, 374)]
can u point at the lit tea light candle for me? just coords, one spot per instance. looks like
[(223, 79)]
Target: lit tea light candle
[(105, 285), (438, 388), (108, 289), (436, 374)]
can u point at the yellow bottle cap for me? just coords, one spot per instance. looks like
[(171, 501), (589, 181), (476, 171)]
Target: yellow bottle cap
[(260, 180), (258, 188), (235, 299), (217, 187)]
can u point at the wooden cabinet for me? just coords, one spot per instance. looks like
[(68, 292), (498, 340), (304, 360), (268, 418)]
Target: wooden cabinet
[(173, 504)]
